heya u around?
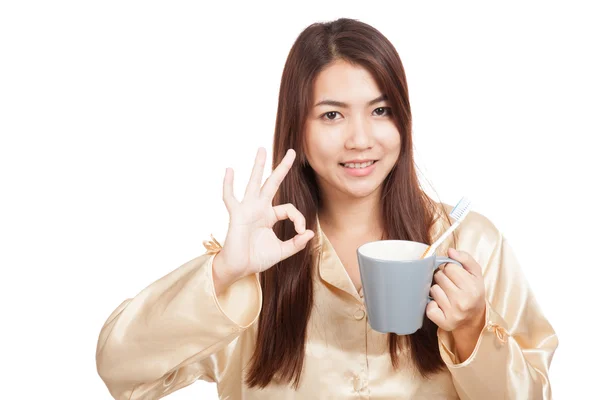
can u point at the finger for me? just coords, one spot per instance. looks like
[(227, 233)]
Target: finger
[(440, 298), (274, 180), (445, 283), (253, 187), (295, 244), (285, 211), (466, 260), (435, 314), (458, 275), (228, 197)]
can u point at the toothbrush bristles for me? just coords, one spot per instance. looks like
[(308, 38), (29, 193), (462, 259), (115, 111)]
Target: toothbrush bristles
[(458, 213), (463, 206)]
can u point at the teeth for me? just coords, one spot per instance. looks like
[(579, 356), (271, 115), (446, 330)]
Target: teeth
[(355, 165)]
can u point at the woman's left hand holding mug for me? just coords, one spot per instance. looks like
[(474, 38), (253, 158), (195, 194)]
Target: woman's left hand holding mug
[(458, 304)]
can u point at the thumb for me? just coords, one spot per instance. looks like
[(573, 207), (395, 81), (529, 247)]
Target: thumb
[(295, 244), (466, 260), (456, 255)]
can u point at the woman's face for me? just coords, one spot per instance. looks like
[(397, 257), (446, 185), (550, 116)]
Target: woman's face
[(350, 121)]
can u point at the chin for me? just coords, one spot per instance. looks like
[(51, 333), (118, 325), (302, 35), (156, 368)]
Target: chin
[(361, 192)]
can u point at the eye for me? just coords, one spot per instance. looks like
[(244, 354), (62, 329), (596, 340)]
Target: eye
[(330, 116), (382, 111)]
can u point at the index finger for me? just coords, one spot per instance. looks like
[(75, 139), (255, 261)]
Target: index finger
[(274, 180)]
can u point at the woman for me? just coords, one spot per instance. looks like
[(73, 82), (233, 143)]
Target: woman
[(266, 318)]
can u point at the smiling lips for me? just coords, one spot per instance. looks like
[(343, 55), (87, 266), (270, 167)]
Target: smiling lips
[(359, 169), (358, 164)]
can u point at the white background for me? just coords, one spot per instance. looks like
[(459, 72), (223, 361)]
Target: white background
[(118, 119)]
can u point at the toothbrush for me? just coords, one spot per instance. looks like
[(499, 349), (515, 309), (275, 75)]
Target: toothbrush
[(458, 213)]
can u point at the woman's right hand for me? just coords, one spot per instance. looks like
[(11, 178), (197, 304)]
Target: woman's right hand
[(251, 246)]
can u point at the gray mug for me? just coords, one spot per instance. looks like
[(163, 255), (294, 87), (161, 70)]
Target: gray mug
[(396, 283)]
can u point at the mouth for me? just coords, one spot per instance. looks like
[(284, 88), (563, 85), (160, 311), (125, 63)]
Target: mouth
[(358, 165)]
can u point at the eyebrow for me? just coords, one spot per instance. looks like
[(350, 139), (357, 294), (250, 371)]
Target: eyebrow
[(335, 103)]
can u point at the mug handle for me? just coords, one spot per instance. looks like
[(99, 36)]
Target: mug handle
[(439, 261)]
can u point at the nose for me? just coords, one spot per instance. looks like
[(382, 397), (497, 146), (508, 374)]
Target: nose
[(359, 136)]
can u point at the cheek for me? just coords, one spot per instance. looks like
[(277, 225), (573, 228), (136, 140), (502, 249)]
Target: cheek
[(391, 140), (319, 145), (397, 145)]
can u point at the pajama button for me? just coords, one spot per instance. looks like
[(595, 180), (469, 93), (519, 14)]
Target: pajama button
[(359, 314)]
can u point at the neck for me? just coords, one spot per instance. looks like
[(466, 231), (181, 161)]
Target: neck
[(341, 215)]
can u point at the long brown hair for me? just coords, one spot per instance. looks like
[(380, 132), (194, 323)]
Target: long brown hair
[(288, 286)]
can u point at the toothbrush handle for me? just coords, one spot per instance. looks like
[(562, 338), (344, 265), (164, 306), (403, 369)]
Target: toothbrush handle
[(435, 245)]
